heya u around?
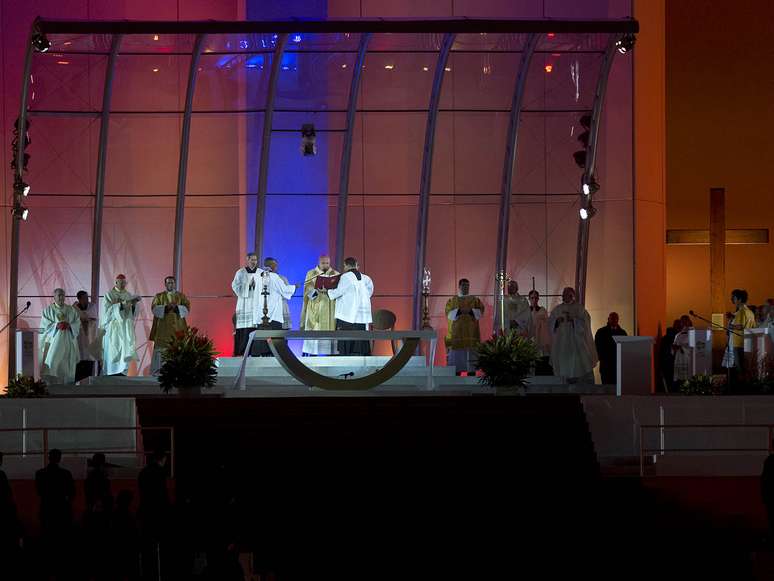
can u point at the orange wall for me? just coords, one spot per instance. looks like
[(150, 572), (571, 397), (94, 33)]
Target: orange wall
[(719, 95)]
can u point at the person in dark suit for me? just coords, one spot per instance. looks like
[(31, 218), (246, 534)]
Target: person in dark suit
[(154, 514), (608, 361), (56, 489)]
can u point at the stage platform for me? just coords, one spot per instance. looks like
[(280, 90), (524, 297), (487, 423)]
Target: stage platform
[(265, 377)]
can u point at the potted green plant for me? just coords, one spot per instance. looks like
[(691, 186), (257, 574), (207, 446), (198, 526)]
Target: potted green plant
[(506, 360), (188, 362), (26, 386)]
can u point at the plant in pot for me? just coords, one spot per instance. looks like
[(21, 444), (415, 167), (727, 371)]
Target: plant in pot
[(188, 362), (26, 386), (506, 360)]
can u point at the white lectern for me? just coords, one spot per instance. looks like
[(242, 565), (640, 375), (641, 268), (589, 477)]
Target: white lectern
[(700, 342), (27, 352), (758, 343), (635, 365)]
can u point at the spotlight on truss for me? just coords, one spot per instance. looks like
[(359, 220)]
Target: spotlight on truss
[(21, 188), (308, 139), (625, 43), (20, 212), (589, 186), (40, 43), (587, 213)]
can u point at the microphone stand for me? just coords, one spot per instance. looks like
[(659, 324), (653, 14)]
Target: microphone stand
[(19, 314)]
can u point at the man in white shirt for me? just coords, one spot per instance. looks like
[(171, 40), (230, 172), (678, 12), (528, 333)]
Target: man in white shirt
[(248, 286), (353, 306)]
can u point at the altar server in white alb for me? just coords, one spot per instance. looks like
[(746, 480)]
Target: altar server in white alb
[(353, 306), (248, 285), (119, 311), (60, 325)]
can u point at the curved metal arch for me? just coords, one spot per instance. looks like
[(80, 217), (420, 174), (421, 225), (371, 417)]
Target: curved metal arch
[(346, 150), (511, 147), (182, 171), (281, 350), (99, 187), (427, 170), (268, 115), (584, 226), (13, 290)]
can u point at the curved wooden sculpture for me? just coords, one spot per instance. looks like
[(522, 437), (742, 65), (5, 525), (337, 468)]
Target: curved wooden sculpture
[(279, 347)]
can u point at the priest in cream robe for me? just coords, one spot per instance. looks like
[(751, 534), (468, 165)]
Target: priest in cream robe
[(516, 309), (248, 285), (170, 310), (87, 337), (353, 306), (60, 325), (272, 265), (573, 354), (319, 311), (463, 335), (119, 310)]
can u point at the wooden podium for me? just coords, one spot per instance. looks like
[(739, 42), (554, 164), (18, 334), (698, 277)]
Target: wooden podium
[(700, 342)]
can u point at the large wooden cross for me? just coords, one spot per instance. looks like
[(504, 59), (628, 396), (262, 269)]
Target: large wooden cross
[(718, 237)]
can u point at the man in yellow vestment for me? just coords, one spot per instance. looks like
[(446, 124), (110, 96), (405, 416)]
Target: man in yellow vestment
[(170, 309), (318, 312), (463, 312)]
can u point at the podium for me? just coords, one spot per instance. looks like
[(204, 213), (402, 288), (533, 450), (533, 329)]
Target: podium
[(759, 344), (634, 356), (27, 353), (700, 342)]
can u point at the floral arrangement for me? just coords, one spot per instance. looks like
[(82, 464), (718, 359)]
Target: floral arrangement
[(26, 386), (188, 361), (507, 359)]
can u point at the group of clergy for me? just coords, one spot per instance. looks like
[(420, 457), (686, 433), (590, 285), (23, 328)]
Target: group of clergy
[(76, 341), (332, 301), (563, 337)]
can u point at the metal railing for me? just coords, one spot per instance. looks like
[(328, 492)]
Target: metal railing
[(139, 450), (662, 449)]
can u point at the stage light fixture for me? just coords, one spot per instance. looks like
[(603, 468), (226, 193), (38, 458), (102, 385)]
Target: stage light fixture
[(588, 213), (40, 43), (308, 139), (20, 212), (625, 43), (21, 188), (589, 187)]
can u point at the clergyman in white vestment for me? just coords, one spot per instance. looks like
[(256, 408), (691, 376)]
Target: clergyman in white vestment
[(573, 353), (119, 309), (353, 306), (248, 285), (60, 325)]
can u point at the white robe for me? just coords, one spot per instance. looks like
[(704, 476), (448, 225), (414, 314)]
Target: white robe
[(118, 343), (537, 329), (59, 347), (88, 333), (573, 353), (250, 301), (353, 298)]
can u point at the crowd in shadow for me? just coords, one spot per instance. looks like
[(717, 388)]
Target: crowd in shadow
[(194, 538)]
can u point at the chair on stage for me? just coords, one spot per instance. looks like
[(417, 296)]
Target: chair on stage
[(384, 320)]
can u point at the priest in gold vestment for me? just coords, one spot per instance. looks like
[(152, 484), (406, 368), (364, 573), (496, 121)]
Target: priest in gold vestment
[(318, 312), (463, 335), (170, 309)]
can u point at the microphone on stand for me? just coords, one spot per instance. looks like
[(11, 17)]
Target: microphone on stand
[(19, 314), (715, 325)]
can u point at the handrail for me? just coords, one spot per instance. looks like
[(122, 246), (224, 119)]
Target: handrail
[(137, 429), (662, 449)]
